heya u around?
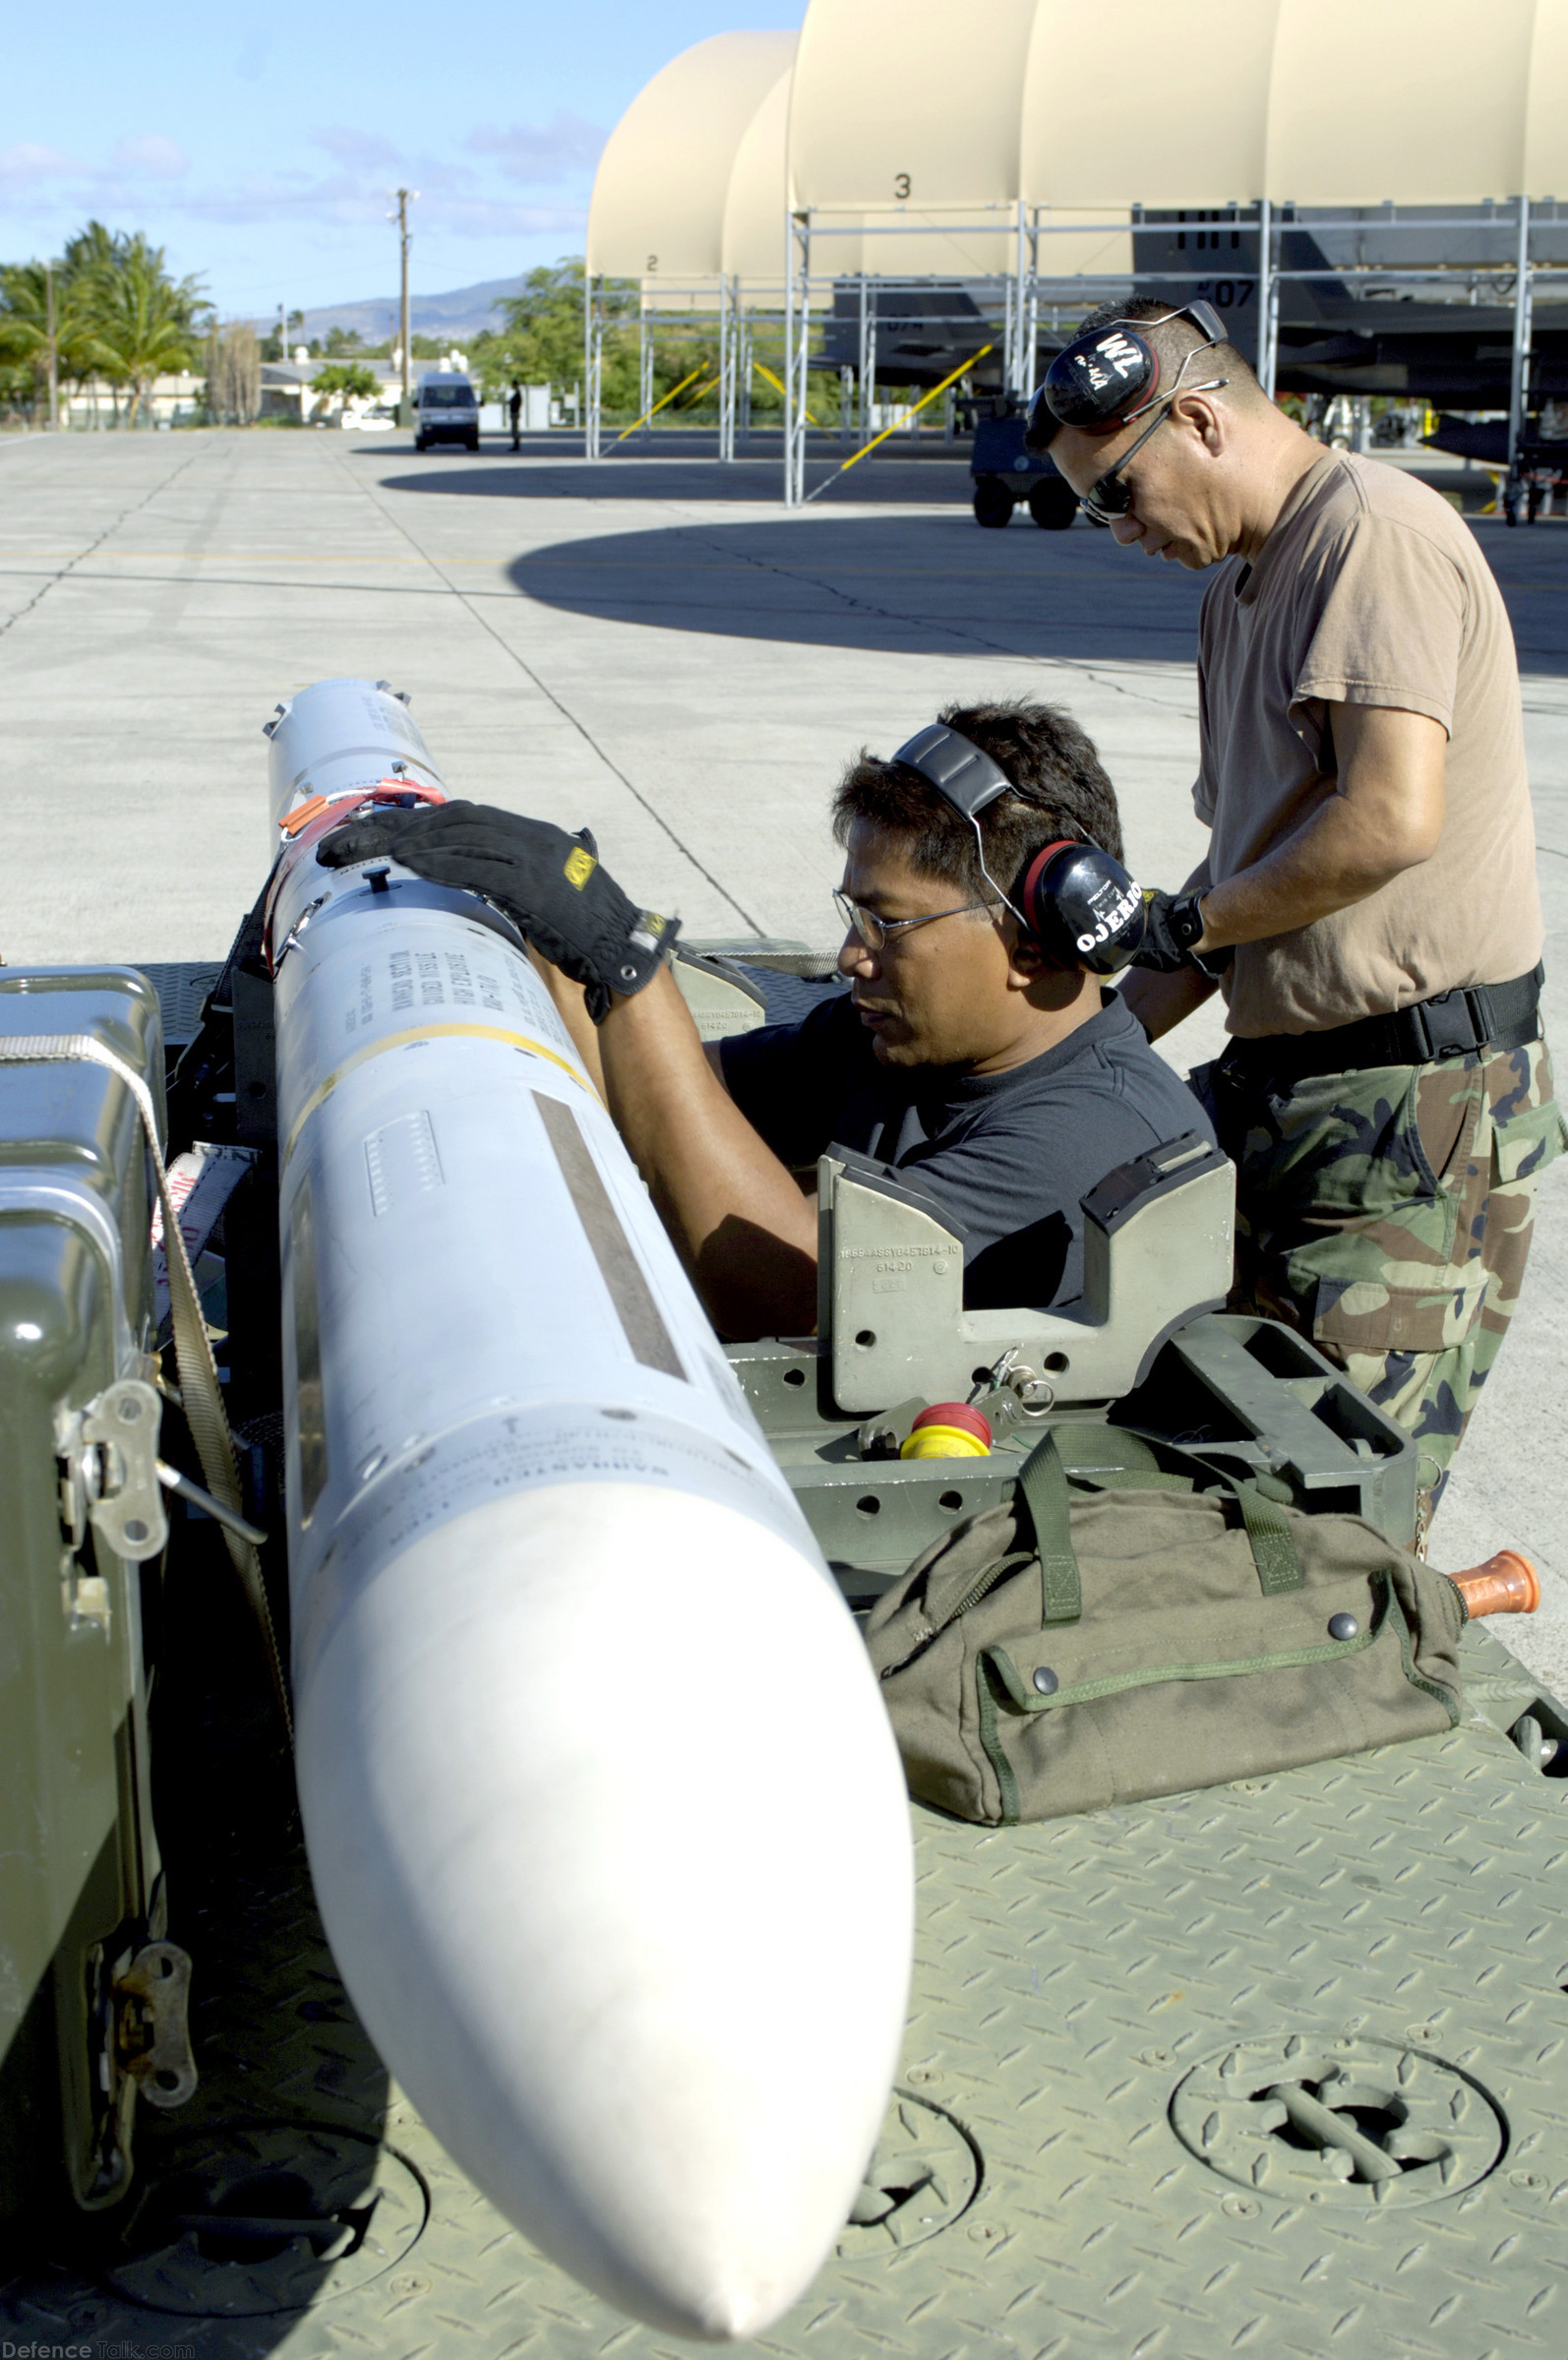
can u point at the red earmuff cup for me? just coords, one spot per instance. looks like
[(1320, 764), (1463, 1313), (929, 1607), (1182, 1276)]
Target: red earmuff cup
[(1036, 872)]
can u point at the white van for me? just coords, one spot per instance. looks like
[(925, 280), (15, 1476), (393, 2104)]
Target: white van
[(447, 411)]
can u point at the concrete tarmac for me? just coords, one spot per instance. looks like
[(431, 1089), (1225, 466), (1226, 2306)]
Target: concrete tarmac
[(652, 646)]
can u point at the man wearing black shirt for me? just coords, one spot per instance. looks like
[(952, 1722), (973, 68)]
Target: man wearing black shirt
[(959, 1056)]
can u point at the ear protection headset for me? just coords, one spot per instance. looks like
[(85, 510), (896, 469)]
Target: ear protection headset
[(1076, 904), (1101, 383)]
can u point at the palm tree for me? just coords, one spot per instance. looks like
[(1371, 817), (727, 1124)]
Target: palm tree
[(143, 321), (93, 249), (94, 253), (46, 322)]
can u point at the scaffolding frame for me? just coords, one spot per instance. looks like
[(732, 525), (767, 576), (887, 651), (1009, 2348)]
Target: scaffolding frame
[(1018, 292), (1268, 222), (1521, 215), (725, 309)]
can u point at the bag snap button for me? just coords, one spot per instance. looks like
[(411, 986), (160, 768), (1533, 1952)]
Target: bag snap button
[(1344, 1626), (1046, 1680)]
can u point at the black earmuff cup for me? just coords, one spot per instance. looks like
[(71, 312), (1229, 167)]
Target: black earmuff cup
[(1083, 908), (1100, 380), (1096, 381)]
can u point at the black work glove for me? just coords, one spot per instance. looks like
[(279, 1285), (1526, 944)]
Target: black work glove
[(1173, 924), (548, 882)]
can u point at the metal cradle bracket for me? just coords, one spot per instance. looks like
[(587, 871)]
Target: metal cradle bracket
[(1158, 1244)]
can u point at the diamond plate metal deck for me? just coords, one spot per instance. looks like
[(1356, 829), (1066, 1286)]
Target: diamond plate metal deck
[(182, 986), (1069, 1977)]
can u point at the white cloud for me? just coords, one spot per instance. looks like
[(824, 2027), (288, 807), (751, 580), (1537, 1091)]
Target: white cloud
[(539, 153), (150, 155), (366, 149), (455, 216), (147, 155), (146, 176), (27, 162)]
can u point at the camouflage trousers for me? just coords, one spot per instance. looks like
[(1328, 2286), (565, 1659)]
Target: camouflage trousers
[(1387, 1215)]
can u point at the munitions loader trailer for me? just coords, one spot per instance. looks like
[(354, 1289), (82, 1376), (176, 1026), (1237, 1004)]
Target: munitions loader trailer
[(1279, 2066)]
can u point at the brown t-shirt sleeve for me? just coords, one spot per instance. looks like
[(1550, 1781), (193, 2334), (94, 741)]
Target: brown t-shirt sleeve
[(1390, 627)]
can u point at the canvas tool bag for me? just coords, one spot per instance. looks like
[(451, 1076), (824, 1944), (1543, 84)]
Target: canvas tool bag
[(1148, 1626)]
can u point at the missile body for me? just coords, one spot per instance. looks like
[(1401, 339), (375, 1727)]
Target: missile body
[(605, 1817)]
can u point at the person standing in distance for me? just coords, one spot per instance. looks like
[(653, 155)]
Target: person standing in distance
[(514, 413), (1368, 901)]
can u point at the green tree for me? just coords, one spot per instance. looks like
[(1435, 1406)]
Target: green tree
[(350, 378), (47, 312), (95, 251), (108, 307), (45, 325), (50, 309), (541, 341), (144, 322)]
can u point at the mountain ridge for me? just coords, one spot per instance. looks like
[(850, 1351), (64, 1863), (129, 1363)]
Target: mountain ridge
[(459, 313)]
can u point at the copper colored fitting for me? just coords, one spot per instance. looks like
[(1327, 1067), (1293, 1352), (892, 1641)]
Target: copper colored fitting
[(1507, 1584)]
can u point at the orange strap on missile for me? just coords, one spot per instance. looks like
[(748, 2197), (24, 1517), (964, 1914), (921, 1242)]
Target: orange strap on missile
[(303, 814), (1507, 1584), (384, 790)]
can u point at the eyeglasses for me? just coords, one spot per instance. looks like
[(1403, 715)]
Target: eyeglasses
[(1108, 497), (876, 932)]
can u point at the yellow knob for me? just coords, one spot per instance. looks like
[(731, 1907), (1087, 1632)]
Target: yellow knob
[(944, 1442)]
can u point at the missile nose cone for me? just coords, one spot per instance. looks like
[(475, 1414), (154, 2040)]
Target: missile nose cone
[(612, 1844), (736, 2312)]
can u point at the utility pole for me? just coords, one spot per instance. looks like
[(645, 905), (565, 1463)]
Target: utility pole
[(55, 348), (405, 413)]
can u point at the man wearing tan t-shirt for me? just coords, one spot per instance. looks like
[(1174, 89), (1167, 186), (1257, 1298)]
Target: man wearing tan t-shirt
[(1368, 901)]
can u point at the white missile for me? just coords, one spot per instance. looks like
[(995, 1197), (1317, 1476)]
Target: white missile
[(606, 1822)]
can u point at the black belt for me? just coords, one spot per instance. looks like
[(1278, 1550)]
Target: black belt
[(1451, 1024)]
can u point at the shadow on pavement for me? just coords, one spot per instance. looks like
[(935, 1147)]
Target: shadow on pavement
[(939, 478), (915, 584)]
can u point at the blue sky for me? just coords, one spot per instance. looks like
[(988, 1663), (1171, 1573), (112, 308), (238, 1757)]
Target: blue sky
[(261, 156)]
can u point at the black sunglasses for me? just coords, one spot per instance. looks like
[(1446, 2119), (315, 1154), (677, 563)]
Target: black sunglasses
[(1108, 497)]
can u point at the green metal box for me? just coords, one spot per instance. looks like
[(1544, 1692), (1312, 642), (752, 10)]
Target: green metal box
[(79, 1866)]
